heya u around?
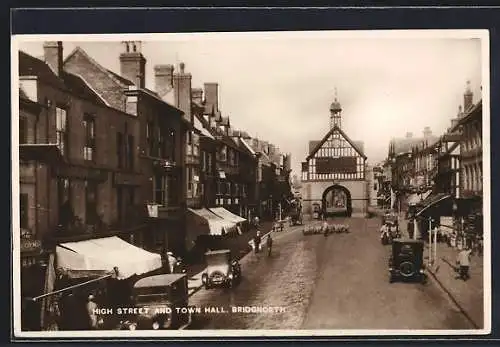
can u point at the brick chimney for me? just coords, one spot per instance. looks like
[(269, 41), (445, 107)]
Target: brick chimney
[(468, 97), (53, 55), (163, 79), (427, 132), (212, 95), (197, 95), (182, 91), (133, 63)]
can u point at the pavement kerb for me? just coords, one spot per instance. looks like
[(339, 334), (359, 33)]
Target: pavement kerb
[(435, 278)]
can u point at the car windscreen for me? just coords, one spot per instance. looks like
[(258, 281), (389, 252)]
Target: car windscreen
[(218, 259)]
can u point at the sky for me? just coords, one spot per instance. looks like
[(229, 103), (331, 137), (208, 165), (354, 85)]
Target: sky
[(279, 87)]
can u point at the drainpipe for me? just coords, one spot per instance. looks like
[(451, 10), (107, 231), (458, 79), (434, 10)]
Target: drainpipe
[(35, 140)]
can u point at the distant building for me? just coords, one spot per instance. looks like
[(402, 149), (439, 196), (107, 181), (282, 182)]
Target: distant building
[(334, 175)]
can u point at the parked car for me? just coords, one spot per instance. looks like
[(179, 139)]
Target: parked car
[(160, 302), (221, 269), (406, 261)]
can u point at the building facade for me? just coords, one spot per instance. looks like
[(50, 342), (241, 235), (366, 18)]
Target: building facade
[(334, 173), (160, 197), (451, 169)]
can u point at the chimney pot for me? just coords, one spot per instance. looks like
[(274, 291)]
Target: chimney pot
[(163, 79), (133, 63), (212, 95), (53, 55)]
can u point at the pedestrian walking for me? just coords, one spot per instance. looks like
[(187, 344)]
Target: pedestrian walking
[(92, 312), (324, 228), (256, 242), (172, 261), (269, 242), (463, 261), (256, 222)]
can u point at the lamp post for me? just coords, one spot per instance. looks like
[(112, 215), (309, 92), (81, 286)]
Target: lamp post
[(454, 209), (430, 241)]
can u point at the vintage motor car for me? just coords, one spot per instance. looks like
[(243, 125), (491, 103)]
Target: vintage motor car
[(221, 269), (406, 261), (160, 302)]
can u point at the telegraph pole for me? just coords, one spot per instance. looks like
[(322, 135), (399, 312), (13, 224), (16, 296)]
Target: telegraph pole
[(430, 241)]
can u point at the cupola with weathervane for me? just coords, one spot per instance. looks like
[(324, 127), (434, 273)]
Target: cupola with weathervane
[(335, 112)]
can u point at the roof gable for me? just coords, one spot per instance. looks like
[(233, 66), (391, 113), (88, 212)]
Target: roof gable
[(31, 66), (78, 52), (328, 134)]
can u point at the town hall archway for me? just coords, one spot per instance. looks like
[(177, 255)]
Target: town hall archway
[(337, 201)]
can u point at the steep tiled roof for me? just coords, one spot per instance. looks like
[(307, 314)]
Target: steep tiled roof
[(31, 66), (344, 135), (123, 80), (405, 145), (79, 87), (313, 144)]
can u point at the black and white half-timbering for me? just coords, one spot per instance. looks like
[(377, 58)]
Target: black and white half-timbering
[(250, 184)]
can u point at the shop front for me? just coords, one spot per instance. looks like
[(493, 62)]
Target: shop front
[(100, 269), (33, 266)]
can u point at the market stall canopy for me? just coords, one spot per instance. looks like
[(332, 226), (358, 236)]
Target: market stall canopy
[(227, 215), (217, 225), (104, 254)]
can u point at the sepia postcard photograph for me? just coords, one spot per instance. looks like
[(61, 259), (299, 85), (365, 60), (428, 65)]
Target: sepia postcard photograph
[(314, 183)]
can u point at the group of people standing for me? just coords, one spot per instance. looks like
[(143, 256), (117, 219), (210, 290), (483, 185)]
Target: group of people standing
[(257, 240)]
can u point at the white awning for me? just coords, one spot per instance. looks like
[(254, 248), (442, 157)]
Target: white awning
[(104, 254), (216, 224), (227, 215)]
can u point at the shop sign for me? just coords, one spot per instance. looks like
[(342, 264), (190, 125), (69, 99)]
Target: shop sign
[(30, 245)]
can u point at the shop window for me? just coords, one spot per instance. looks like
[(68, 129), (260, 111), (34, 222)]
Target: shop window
[(91, 215), (64, 201), (190, 181), (89, 147), (130, 152), (119, 149), (189, 143), (196, 145), (150, 139), (170, 145), (209, 162), (23, 130), (160, 189), (62, 130), (23, 206)]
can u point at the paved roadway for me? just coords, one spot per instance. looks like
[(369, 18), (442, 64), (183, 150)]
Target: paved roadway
[(338, 282)]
